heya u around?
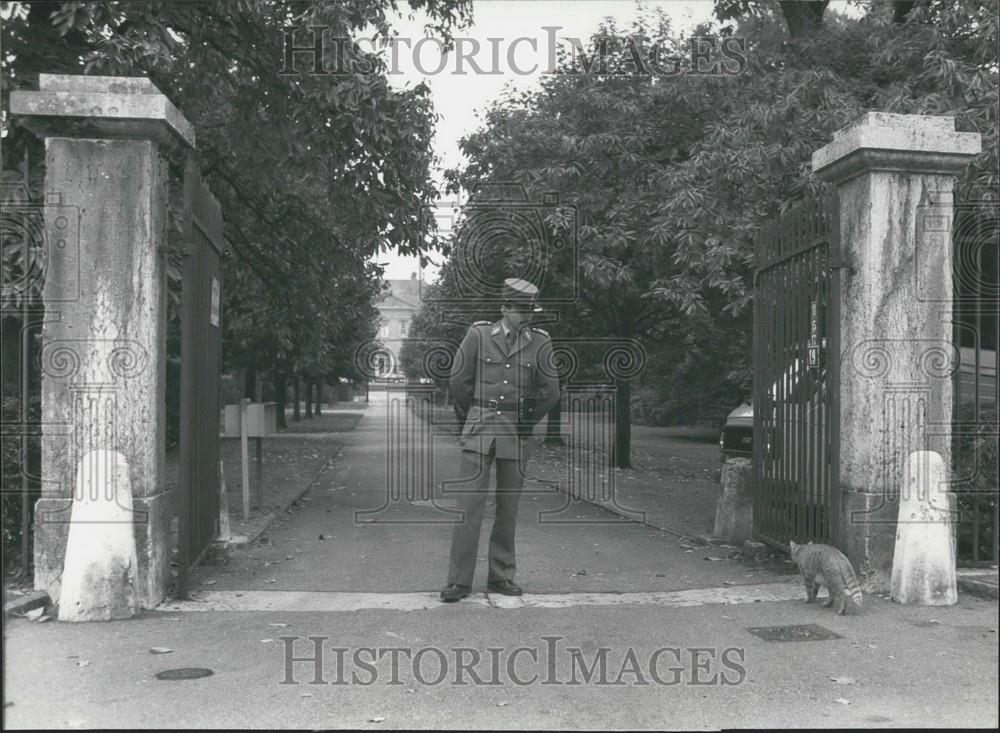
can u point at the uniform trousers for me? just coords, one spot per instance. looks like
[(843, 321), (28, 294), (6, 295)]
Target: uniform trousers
[(472, 488)]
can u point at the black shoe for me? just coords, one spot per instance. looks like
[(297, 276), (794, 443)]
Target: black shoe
[(454, 592), (506, 587)]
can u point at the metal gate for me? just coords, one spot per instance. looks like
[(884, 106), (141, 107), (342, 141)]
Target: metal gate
[(796, 379), (201, 303)]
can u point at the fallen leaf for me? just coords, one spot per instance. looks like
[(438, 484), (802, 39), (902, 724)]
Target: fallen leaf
[(83, 663), (843, 680), (842, 701), (322, 538), (278, 625), (713, 558), (376, 719), (209, 582), (270, 580), (266, 641), (305, 694), (160, 650), (502, 703)]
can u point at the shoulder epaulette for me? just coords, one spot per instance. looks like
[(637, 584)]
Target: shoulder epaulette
[(481, 323), (540, 330)]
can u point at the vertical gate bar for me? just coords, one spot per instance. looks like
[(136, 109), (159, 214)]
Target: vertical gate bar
[(976, 509), (823, 389), (803, 290), (199, 485), (781, 416), (786, 342), (762, 316), (996, 532), (833, 384), (786, 338), (25, 468), (819, 410), (801, 317), (188, 401), (802, 346), (812, 409), (771, 401)]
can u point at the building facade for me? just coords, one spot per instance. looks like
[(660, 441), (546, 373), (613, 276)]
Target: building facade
[(396, 311)]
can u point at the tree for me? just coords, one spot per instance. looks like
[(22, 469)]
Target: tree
[(671, 178), (314, 172)]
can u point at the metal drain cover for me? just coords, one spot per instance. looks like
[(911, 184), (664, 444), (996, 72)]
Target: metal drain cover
[(801, 632), (184, 673)]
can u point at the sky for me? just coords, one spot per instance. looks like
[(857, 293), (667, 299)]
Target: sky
[(459, 91)]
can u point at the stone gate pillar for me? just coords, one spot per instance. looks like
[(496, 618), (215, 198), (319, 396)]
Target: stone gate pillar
[(103, 354), (895, 175)]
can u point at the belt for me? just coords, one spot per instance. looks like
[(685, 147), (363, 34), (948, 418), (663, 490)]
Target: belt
[(496, 405)]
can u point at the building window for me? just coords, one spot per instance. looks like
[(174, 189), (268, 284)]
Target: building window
[(402, 328), (383, 332)]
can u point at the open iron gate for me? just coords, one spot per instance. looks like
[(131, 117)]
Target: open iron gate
[(201, 304), (796, 379)]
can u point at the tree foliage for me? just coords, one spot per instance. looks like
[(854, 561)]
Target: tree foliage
[(314, 172), (671, 177)]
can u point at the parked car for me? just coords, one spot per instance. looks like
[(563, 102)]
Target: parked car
[(736, 439)]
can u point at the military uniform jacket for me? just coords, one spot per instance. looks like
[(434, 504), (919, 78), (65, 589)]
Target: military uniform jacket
[(486, 372)]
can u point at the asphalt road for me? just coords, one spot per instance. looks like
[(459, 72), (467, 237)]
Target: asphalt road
[(674, 626)]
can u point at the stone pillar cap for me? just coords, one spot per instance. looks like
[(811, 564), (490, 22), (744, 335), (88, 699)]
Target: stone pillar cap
[(102, 107), (893, 142)]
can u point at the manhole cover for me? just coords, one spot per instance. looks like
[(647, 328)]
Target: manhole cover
[(801, 632), (184, 673)]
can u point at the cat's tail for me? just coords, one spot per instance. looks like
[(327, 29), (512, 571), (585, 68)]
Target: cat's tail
[(854, 591)]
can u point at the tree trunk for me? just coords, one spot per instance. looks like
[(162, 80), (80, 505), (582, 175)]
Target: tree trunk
[(553, 426), (309, 404), (622, 454), (280, 386), (803, 16), (250, 383), (296, 410), (319, 398)]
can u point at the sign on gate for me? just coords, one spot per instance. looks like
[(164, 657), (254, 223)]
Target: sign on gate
[(796, 375)]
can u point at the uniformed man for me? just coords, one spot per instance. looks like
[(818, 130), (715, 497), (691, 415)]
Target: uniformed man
[(504, 380)]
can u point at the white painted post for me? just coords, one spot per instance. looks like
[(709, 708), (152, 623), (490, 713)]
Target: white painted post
[(100, 576), (244, 457), (224, 533), (923, 565)]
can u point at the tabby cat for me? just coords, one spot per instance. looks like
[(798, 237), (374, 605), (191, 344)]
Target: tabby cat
[(823, 565)]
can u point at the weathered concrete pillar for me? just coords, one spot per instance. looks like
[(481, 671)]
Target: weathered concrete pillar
[(734, 509), (104, 290), (895, 176)]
